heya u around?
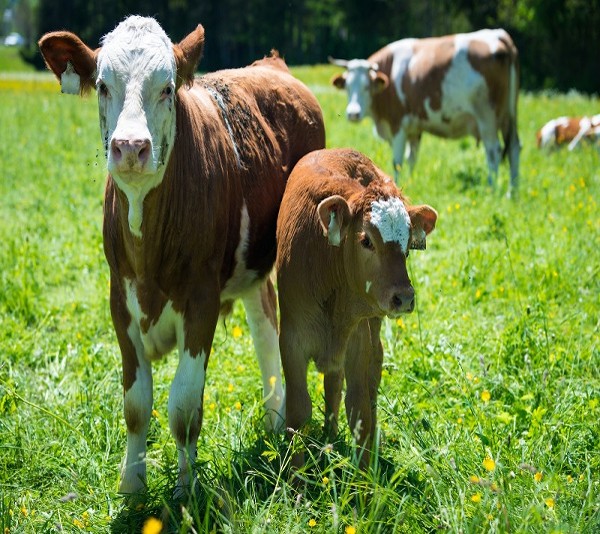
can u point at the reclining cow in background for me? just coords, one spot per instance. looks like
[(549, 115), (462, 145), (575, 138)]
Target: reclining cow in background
[(451, 86), (572, 130), (197, 170), (343, 236)]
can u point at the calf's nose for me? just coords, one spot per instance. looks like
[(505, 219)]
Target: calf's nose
[(403, 300), (131, 152)]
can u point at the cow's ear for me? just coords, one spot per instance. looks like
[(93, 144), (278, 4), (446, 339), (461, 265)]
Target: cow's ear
[(422, 219), (71, 60), (339, 81), (334, 216), (379, 81), (187, 55)]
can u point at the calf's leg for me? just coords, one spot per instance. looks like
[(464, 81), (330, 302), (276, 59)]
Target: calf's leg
[(333, 382)]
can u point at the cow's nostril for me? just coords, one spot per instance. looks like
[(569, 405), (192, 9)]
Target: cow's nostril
[(396, 301)]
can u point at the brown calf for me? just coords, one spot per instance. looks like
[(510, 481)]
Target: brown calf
[(344, 232)]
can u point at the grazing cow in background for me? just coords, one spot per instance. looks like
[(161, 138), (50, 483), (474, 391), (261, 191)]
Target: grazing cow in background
[(197, 170), (452, 86), (572, 130), (343, 235)]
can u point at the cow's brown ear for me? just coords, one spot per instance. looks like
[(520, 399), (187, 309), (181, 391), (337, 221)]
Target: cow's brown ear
[(422, 219), (71, 60), (339, 81), (334, 216), (379, 81), (187, 55)]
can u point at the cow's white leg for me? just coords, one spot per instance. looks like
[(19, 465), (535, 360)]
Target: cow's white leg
[(514, 149), (185, 410), (138, 410), (412, 151), (488, 132), (261, 312), (398, 148)]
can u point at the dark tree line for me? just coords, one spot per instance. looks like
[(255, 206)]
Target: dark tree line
[(558, 40)]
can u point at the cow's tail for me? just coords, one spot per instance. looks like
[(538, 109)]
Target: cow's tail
[(511, 134)]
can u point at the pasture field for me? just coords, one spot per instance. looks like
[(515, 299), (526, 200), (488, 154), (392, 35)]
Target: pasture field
[(490, 400)]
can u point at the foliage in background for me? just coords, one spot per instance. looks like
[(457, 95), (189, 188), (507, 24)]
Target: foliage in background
[(558, 40)]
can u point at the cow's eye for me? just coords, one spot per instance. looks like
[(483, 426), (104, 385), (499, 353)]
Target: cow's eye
[(366, 242), (102, 89), (166, 92)]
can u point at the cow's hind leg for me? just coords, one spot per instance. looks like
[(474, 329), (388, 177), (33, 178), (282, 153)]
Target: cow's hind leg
[(398, 148), (488, 131), (261, 311)]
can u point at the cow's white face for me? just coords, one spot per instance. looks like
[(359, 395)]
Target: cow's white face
[(136, 79), (359, 79)]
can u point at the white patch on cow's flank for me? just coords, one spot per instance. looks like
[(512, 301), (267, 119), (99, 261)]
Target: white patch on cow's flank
[(242, 277), (548, 131), (392, 220), (490, 37)]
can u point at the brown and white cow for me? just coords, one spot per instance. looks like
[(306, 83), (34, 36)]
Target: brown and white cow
[(451, 86), (344, 233), (571, 130), (197, 170)]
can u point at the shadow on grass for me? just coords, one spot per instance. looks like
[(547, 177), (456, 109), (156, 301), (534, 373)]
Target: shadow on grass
[(243, 487)]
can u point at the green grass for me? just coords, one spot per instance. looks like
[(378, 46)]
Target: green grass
[(11, 60), (499, 361)]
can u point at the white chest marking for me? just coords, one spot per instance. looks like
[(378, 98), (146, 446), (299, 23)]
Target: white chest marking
[(391, 219)]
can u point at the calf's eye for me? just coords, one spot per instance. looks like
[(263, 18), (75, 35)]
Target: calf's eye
[(366, 242), (166, 92)]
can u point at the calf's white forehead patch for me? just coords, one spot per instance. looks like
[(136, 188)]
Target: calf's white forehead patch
[(390, 217)]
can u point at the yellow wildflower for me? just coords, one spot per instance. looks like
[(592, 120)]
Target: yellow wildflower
[(474, 479), (230, 387), (325, 481), (152, 526), (549, 502), (486, 396), (400, 323), (489, 464), (273, 381), (569, 479), (78, 523), (476, 497), (538, 476), (312, 522), (237, 331), (24, 511), (155, 414), (238, 405), (350, 530)]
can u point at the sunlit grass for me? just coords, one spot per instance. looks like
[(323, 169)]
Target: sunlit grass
[(489, 402)]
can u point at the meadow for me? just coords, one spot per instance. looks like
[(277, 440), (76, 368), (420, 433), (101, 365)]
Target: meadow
[(490, 399)]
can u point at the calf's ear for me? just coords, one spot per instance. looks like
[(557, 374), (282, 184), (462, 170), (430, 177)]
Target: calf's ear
[(422, 219), (71, 60), (187, 55), (339, 81), (334, 216)]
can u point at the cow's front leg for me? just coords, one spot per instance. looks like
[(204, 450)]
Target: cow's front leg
[(261, 312), (333, 382), (187, 389), (137, 389), (398, 148), (358, 398)]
